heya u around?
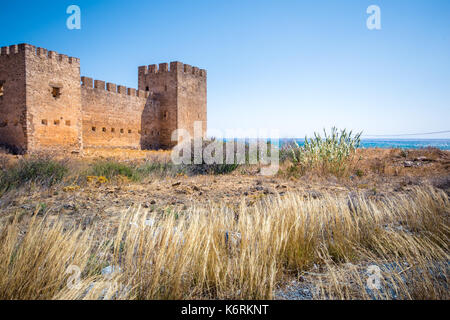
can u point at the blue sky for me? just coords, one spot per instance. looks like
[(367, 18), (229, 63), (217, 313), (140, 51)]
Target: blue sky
[(295, 66)]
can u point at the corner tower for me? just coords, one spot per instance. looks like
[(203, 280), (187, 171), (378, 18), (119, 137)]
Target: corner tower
[(40, 102), (181, 95)]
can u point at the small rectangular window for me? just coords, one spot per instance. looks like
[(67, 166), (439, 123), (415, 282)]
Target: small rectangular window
[(56, 122), (129, 131), (121, 130), (166, 115), (56, 92), (68, 123), (104, 129), (113, 130), (44, 122), (94, 128)]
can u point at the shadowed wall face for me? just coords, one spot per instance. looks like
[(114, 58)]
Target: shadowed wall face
[(181, 93), (12, 98)]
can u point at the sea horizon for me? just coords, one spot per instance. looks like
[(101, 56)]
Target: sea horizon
[(383, 143)]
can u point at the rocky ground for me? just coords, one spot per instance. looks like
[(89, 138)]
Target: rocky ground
[(380, 173)]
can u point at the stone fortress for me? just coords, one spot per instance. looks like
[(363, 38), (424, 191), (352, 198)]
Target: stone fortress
[(45, 107)]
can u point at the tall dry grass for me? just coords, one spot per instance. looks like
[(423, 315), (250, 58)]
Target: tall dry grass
[(218, 252)]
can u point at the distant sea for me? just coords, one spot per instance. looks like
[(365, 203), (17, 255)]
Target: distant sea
[(443, 144)]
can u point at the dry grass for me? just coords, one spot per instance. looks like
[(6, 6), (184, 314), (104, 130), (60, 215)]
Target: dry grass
[(243, 253)]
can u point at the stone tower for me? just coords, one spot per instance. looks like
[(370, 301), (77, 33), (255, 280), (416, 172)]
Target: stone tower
[(40, 100), (181, 95)]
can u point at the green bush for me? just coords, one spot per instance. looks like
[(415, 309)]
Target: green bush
[(135, 172), (162, 169), (45, 172), (110, 169), (329, 154)]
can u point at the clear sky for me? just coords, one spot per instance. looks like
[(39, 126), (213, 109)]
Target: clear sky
[(296, 66)]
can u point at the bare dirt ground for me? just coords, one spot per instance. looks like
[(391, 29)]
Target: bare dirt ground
[(376, 173)]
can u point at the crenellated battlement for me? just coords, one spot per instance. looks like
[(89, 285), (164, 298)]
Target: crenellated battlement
[(47, 105), (40, 52), (172, 67), (90, 83)]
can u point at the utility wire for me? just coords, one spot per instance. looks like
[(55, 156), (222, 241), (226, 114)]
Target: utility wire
[(404, 134)]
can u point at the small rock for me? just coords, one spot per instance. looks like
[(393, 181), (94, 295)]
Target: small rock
[(176, 184), (408, 164), (110, 270), (269, 191), (150, 222)]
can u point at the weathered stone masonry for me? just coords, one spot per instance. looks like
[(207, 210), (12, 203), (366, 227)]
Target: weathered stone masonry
[(43, 105)]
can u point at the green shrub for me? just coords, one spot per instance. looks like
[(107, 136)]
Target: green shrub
[(329, 154), (110, 169), (45, 172), (162, 169)]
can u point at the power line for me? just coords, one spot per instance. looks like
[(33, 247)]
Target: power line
[(404, 134)]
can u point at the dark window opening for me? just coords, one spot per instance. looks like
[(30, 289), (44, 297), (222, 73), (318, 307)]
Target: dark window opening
[(94, 128), (1, 88), (165, 88), (147, 89), (44, 122), (113, 130), (166, 115), (129, 131), (56, 92), (68, 123), (104, 129), (56, 122), (121, 130)]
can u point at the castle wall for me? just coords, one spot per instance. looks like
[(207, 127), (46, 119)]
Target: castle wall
[(13, 98), (112, 116), (53, 101), (43, 106)]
